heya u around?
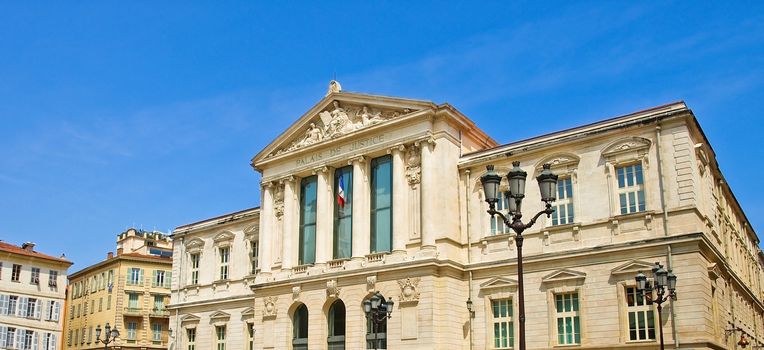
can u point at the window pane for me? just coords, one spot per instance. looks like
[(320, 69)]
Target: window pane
[(641, 197), (558, 300), (638, 173), (381, 204), (343, 212), (641, 324), (629, 176), (496, 336), (621, 180), (569, 187), (632, 203), (570, 213), (308, 220), (624, 205), (560, 331), (632, 326), (575, 302)]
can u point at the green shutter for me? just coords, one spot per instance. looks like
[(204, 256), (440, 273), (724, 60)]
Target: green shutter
[(168, 279), (154, 278)]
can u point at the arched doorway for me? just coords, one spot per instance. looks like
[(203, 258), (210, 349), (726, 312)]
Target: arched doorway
[(376, 333), (300, 328), (336, 339)]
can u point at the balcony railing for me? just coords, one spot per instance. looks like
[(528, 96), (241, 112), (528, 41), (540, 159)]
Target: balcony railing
[(133, 311), (160, 312)]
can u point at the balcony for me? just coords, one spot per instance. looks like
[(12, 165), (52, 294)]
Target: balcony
[(159, 312), (132, 311)]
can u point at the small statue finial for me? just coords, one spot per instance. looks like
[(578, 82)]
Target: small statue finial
[(334, 86)]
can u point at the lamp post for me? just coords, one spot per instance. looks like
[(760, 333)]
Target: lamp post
[(109, 337), (662, 282), (516, 177), (377, 310)]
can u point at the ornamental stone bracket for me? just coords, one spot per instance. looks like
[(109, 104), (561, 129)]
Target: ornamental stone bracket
[(409, 292), (296, 292), (413, 165), (269, 309), (332, 290), (371, 283)]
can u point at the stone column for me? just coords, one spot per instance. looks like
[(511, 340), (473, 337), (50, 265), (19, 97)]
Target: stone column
[(291, 217), (266, 225), (324, 215), (361, 222), (400, 201), (430, 204)]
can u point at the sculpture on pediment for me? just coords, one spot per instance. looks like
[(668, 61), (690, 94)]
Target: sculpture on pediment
[(334, 86), (413, 165), (368, 118)]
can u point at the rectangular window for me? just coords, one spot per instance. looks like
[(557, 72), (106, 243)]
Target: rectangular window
[(640, 315), (28, 338), (82, 336), (195, 268), (159, 303), (111, 280), (16, 273), (53, 278), (191, 337), (132, 330), (132, 302), (381, 204), (631, 188), (10, 336), (254, 245), (568, 321), (108, 302), (90, 334), (100, 304), (220, 336), (156, 329), (49, 342), (32, 309), (563, 209), (12, 303), (497, 224), (158, 278), (503, 328), (250, 336), (225, 254), (134, 276), (343, 212), (308, 201), (35, 278)]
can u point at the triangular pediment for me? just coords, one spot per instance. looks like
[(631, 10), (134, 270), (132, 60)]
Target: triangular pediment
[(195, 244), (337, 115), (224, 236), (631, 144), (632, 267), (248, 312), (498, 282), (563, 275), (220, 315), (190, 318)]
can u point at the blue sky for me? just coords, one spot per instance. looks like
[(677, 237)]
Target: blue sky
[(145, 114)]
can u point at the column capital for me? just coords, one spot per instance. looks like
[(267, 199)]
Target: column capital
[(266, 184), (427, 141), (287, 179), (396, 149), (359, 159), (321, 169)]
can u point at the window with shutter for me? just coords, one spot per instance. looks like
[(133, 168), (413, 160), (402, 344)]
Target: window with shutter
[(3, 304)]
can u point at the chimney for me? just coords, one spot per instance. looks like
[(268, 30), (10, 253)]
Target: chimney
[(119, 251), (109, 255), (28, 246)]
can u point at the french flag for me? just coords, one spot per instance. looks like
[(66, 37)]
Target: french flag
[(341, 193)]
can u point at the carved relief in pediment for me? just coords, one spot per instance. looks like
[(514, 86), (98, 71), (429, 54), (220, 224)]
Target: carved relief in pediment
[(338, 120)]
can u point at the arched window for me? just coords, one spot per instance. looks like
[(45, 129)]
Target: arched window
[(300, 328), (336, 338), (376, 332)]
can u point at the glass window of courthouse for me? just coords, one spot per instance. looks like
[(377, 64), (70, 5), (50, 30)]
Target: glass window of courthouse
[(568, 321), (220, 336), (381, 204), (503, 327), (497, 224), (563, 209), (308, 220), (191, 338), (343, 212), (631, 191), (640, 316)]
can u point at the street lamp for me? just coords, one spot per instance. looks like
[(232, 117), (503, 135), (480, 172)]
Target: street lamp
[(109, 337), (377, 310), (661, 282), (516, 177)]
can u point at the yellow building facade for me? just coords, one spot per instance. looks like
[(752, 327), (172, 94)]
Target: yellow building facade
[(129, 291)]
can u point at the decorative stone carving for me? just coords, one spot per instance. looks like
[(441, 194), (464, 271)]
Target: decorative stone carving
[(409, 292), (413, 165), (337, 121), (371, 282), (278, 202), (334, 86), (332, 290), (269, 309), (296, 292)]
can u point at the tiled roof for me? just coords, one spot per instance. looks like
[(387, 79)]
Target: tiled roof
[(14, 249)]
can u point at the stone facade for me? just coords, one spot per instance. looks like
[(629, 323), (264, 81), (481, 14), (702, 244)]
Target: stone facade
[(638, 189), (129, 291), (32, 293)]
